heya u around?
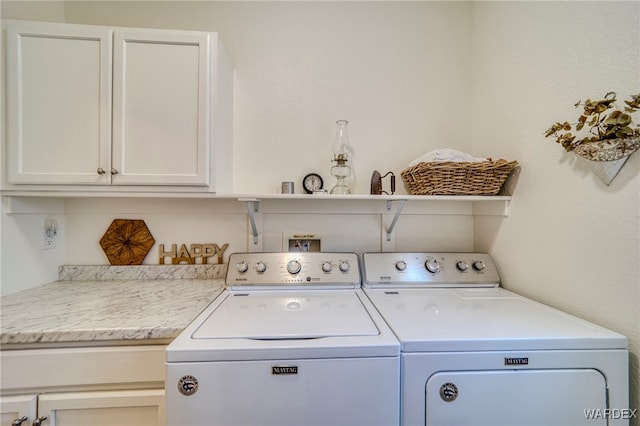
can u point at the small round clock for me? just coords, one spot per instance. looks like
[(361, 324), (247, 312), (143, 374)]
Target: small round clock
[(312, 182)]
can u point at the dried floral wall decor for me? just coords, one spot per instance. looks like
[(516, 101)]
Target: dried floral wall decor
[(604, 134)]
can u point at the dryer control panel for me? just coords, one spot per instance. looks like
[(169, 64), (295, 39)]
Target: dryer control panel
[(429, 270), (306, 269)]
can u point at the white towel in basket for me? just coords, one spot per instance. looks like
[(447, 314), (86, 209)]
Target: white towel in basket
[(445, 154)]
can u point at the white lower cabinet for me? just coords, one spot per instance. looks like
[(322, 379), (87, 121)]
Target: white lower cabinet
[(80, 386), (19, 409), (136, 407)]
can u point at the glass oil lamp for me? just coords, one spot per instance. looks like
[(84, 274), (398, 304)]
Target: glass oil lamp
[(341, 153)]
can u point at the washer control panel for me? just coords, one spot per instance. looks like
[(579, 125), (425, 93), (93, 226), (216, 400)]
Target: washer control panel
[(429, 270), (313, 269)]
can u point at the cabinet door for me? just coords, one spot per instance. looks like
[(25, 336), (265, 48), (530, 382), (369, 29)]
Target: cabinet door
[(123, 408), (18, 407), (161, 107), (59, 103)]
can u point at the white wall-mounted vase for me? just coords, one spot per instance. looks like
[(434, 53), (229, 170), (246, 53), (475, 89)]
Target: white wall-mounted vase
[(606, 158)]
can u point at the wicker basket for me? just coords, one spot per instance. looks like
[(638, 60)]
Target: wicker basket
[(457, 178)]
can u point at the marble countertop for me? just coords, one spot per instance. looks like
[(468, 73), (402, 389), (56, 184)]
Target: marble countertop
[(110, 305)]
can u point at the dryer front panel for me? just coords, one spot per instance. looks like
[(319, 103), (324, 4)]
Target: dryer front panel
[(517, 397)]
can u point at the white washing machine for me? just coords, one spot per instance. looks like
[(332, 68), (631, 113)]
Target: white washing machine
[(293, 340), (476, 354)]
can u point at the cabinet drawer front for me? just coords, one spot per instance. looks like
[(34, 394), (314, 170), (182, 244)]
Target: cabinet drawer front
[(81, 367)]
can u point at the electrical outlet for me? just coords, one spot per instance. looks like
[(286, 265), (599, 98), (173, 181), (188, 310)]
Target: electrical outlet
[(48, 240)]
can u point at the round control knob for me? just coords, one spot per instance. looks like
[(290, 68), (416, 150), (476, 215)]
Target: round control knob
[(326, 267), (261, 266), (344, 266), (401, 265), (432, 265), (294, 266), (242, 267), (462, 265), (478, 265)]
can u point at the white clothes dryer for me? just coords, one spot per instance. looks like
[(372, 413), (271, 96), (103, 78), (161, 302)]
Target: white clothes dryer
[(293, 340), (476, 354)]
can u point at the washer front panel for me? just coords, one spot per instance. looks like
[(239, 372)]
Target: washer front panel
[(287, 392)]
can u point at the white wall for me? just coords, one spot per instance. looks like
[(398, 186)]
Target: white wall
[(300, 66), (570, 241), (342, 226), (21, 260), (51, 11), (399, 72), (23, 263)]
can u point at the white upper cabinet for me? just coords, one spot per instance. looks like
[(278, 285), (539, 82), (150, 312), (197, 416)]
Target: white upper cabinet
[(134, 107), (59, 103), (160, 108)]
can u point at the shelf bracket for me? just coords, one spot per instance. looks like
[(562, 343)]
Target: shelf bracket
[(392, 225), (252, 209)]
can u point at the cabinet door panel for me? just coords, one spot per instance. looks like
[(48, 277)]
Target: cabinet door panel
[(123, 408), (161, 107), (17, 407), (59, 110)]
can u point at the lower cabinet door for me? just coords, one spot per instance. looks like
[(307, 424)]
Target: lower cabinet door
[(104, 408), (18, 407)]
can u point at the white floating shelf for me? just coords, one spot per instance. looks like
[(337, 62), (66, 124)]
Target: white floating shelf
[(300, 203)]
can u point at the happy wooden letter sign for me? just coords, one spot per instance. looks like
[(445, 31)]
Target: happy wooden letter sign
[(194, 254)]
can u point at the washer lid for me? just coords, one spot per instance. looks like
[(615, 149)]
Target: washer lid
[(281, 315), (427, 320)]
